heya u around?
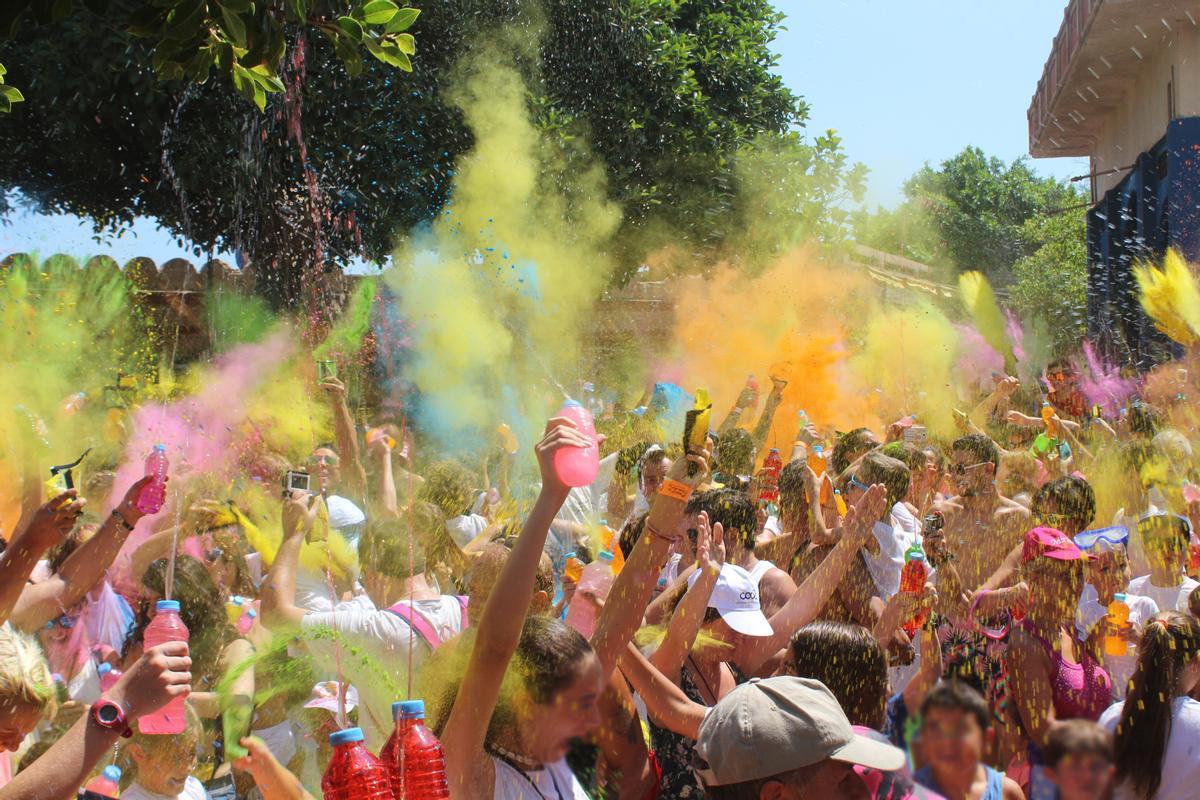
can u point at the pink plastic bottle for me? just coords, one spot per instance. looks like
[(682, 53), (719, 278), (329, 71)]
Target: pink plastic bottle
[(594, 585), (578, 466), (246, 621), (109, 675), (353, 773), (107, 783), (154, 494), (414, 757), (165, 627)]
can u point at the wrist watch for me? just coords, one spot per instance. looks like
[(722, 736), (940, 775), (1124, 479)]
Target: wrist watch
[(110, 716)]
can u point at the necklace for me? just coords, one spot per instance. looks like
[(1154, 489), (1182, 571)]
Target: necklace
[(515, 761)]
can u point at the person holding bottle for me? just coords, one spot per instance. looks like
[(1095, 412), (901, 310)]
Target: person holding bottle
[(1108, 574)]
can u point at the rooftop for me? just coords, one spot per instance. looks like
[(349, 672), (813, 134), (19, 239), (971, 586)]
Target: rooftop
[(1092, 64)]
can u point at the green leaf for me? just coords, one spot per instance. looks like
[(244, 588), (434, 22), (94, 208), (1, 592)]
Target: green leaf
[(299, 9), (389, 54), (233, 25), (3, 71), (379, 12), (406, 43), (5, 105), (237, 6), (352, 27), (266, 78), (403, 20), (12, 94), (184, 22)]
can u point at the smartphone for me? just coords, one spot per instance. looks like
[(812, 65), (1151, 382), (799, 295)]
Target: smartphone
[(294, 481), (916, 434), (326, 370)]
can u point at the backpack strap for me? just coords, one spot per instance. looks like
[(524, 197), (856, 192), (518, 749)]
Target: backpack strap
[(418, 623)]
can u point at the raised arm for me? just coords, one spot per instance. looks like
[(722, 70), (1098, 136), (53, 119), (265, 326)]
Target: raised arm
[(279, 586), (812, 595), (81, 571), (343, 427), (499, 629), (160, 675), (689, 614), (36, 532), (386, 499), (631, 590), (763, 428), (665, 702)]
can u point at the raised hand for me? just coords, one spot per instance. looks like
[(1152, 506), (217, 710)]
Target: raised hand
[(560, 432)]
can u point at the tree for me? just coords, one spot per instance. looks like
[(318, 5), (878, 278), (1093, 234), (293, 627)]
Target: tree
[(1051, 282), (975, 207), (243, 40), (663, 93)]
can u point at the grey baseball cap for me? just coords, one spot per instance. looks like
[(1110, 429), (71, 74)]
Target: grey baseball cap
[(773, 726)]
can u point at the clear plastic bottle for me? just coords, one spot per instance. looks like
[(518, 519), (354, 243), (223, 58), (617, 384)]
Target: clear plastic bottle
[(107, 783), (912, 580), (167, 626), (578, 466), (353, 773), (1116, 642), (154, 494), (594, 585)]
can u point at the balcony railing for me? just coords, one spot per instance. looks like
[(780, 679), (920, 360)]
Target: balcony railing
[(1076, 19)]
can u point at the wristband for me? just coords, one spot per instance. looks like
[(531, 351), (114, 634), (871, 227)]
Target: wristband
[(656, 532), (124, 523), (675, 490)]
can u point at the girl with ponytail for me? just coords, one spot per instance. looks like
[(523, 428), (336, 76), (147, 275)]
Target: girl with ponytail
[(1157, 728)]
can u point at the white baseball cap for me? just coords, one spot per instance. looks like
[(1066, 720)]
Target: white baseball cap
[(736, 598)]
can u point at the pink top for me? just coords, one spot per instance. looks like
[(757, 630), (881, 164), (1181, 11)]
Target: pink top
[(1080, 691)]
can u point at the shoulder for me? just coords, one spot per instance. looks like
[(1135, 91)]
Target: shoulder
[(1141, 609), (1112, 715), (193, 789), (1011, 789)]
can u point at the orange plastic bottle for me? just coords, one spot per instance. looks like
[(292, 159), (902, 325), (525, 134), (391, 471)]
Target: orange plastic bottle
[(1115, 643)]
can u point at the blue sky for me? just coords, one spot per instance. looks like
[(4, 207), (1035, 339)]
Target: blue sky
[(902, 82)]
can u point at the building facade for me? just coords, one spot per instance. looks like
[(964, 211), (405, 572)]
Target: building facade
[(1122, 87)]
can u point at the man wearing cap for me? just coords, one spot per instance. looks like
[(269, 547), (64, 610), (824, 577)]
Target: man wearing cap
[(782, 739)]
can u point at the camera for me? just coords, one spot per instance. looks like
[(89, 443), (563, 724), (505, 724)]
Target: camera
[(295, 481)]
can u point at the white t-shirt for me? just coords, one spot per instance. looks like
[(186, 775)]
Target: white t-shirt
[(1181, 762), (192, 790), (1092, 613), (346, 518), (466, 527), (905, 519), (554, 780), (384, 638), (1173, 598), (885, 566)]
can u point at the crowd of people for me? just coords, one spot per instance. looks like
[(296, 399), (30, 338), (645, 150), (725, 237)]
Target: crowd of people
[(700, 621)]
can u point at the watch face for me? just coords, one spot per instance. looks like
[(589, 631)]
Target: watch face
[(108, 713)]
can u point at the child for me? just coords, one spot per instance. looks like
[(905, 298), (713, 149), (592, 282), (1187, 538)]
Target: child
[(1166, 539), (162, 764), (1108, 574), (955, 732), (1079, 760)]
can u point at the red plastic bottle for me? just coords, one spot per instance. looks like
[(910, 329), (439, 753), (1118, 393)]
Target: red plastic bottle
[(414, 757), (166, 626), (768, 477), (578, 466), (353, 773), (154, 494), (912, 580), (109, 675)]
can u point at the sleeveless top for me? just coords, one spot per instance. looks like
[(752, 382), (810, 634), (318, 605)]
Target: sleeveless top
[(551, 782), (761, 568), (674, 752), (1079, 691), (995, 782)]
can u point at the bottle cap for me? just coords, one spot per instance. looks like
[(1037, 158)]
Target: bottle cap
[(915, 555), (346, 736), (604, 555), (408, 709), (1119, 596), (775, 450), (166, 605), (818, 448), (569, 556), (113, 773), (252, 613), (162, 448), (569, 403), (104, 669)]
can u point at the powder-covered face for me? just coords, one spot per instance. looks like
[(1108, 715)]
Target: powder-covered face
[(165, 769), (17, 720), (573, 713)]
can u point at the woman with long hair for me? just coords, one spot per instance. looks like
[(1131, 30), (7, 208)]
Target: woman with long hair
[(1157, 727)]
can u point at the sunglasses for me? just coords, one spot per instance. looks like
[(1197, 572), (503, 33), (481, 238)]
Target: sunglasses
[(960, 469), (66, 622), (329, 460), (853, 482)]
